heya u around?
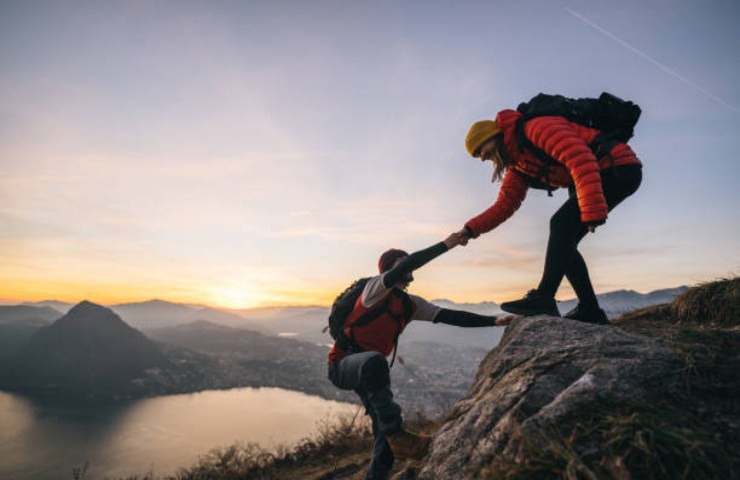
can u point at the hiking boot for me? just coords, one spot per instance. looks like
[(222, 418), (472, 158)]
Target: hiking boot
[(407, 444), (533, 303), (588, 315)]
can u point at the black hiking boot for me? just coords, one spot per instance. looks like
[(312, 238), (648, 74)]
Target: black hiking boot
[(593, 315), (533, 303)]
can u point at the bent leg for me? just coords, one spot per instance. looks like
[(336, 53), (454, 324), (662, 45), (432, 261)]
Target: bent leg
[(382, 462), (566, 232), (618, 185), (579, 279), (368, 374)]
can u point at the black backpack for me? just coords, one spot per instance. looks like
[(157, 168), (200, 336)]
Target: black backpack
[(343, 306), (613, 117)]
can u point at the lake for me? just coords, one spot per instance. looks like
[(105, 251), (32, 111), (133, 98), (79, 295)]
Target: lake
[(162, 434)]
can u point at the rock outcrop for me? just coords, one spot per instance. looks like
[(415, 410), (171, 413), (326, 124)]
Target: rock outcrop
[(539, 380)]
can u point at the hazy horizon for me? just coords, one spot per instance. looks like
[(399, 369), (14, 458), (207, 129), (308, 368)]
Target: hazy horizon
[(248, 154), (7, 302)]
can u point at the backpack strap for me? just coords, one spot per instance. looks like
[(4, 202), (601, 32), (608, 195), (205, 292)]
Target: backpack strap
[(365, 320), (408, 310)]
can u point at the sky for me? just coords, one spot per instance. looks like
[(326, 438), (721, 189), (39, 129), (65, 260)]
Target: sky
[(253, 153)]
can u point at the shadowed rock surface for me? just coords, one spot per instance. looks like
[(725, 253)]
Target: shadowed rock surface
[(543, 373)]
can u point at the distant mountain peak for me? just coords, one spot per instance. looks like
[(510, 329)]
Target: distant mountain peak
[(88, 315), (87, 305), (90, 345)]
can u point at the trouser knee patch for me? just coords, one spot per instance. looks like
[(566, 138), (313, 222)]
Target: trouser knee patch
[(375, 373)]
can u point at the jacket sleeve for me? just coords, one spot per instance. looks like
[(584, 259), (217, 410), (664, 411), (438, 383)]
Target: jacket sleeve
[(412, 262), (557, 138), (510, 197)]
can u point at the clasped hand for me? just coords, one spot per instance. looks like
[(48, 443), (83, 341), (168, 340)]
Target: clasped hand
[(457, 238)]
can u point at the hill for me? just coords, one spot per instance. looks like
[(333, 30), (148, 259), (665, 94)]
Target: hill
[(91, 354), (655, 396), (159, 314), (89, 348)]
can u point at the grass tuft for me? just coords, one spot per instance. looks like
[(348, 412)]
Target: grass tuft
[(714, 304)]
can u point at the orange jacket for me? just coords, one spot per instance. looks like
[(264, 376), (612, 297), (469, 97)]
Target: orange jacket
[(568, 144)]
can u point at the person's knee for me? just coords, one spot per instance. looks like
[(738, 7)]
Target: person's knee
[(375, 373), (561, 223)]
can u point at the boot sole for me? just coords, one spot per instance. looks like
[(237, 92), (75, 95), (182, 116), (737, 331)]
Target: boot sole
[(528, 312), (589, 321)]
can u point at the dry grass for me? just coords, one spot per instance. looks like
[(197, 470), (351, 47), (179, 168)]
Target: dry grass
[(650, 442), (335, 439), (715, 304)]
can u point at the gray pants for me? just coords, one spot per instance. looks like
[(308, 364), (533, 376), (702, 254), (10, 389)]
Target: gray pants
[(367, 373)]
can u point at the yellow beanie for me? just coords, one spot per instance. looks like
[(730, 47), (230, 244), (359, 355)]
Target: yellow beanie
[(479, 133)]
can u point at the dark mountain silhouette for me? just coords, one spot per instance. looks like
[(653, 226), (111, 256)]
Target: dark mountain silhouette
[(91, 354), (88, 348)]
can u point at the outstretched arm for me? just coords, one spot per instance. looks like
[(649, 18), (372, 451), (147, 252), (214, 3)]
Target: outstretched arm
[(419, 259), (510, 197), (460, 318)]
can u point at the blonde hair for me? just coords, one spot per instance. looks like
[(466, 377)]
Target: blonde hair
[(499, 161)]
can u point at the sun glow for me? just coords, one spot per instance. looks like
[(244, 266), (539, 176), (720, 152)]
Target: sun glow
[(236, 296)]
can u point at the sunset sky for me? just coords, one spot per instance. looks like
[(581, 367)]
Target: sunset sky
[(251, 153)]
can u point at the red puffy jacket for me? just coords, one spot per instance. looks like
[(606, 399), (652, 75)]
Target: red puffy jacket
[(568, 144)]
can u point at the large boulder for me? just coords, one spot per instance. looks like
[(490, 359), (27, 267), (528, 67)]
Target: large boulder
[(538, 383)]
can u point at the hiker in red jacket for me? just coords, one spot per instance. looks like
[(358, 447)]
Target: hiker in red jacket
[(361, 364), (595, 185)]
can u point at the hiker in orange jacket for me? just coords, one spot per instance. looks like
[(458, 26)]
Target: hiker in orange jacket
[(595, 185), (380, 314)]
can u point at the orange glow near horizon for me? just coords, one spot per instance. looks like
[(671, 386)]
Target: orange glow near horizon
[(230, 296), (227, 296)]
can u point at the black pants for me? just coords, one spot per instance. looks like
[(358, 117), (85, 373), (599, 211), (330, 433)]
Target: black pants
[(368, 374), (566, 231)]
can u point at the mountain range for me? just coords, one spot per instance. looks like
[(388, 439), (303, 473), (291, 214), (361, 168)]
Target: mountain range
[(91, 354), (306, 323), (99, 353)]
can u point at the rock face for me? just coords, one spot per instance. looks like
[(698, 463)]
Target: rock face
[(545, 372)]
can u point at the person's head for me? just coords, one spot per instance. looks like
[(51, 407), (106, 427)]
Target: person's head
[(391, 258), (485, 141)]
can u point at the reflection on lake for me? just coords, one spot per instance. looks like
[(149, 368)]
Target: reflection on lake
[(161, 434)]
